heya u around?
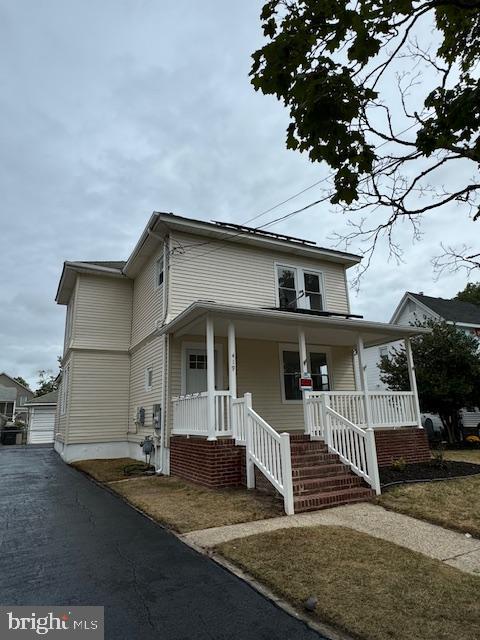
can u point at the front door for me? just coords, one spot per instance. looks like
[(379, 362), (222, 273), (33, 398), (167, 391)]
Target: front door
[(196, 370)]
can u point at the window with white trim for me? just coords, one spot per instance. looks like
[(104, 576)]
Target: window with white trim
[(300, 288), (159, 272), (383, 352), (148, 378), (69, 322), (64, 389), (291, 373)]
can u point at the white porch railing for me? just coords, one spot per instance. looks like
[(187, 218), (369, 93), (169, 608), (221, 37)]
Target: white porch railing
[(387, 408), (354, 446), (190, 414)]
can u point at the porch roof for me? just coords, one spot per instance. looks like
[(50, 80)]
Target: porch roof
[(282, 326)]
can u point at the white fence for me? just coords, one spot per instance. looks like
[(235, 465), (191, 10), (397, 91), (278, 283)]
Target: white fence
[(190, 414)]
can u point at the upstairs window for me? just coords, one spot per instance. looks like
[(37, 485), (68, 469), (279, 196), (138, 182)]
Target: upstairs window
[(287, 287), (159, 272), (300, 288)]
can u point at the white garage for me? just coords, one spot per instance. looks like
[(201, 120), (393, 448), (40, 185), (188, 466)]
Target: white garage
[(41, 418)]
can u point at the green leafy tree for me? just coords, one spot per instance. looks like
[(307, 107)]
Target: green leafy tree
[(447, 366), (46, 383), (471, 293), (21, 380), (389, 113)]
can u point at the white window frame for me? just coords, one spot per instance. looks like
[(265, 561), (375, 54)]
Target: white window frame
[(69, 322), (313, 348), (148, 373), (299, 273), (158, 271), (64, 394), (381, 355)]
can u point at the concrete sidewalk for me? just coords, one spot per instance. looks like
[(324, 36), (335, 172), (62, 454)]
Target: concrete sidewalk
[(450, 547)]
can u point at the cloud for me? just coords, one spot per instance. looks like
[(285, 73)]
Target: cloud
[(111, 110)]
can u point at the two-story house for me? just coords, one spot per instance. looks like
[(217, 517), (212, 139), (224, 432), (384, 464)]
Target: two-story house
[(234, 346), (416, 308), (13, 398)]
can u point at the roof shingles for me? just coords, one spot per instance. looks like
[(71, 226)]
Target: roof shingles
[(452, 310)]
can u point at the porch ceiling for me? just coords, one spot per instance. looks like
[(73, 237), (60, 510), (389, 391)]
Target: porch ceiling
[(282, 326)]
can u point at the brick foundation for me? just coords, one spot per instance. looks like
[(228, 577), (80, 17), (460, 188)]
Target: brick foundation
[(408, 443), (214, 464)]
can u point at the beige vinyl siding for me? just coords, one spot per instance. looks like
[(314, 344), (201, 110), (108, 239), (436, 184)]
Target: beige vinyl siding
[(240, 275), (98, 400), (258, 372), (102, 313), (149, 354), (147, 305)]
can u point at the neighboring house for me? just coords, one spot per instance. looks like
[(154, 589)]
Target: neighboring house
[(13, 398), (416, 307), (41, 418), (201, 339)]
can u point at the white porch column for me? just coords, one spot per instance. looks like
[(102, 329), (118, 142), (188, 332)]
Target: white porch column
[(302, 352), (211, 379), (362, 367), (232, 361), (413, 380)]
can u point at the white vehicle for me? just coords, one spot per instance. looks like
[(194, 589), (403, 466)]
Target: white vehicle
[(470, 421)]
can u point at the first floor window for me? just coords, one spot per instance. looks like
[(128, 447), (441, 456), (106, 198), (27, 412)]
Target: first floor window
[(148, 378), (292, 373), (64, 389), (6, 409)]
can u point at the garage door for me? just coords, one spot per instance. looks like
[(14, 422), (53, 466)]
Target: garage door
[(42, 424)]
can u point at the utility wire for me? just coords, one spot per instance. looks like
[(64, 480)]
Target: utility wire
[(228, 237)]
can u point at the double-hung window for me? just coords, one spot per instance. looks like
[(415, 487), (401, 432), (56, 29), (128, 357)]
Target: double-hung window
[(300, 288), (64, 389), (148, 378), (159, 272), (290, 362)]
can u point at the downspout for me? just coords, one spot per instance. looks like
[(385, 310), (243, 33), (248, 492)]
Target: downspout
[(159, 440)]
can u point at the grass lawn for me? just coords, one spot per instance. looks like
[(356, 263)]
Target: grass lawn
[(463, 455), (179, 504), (367, 587), (105, 470), (453, 504)]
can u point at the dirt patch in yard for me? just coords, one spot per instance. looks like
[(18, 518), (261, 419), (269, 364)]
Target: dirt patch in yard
[(427, 471), (187, 507), (110, 470), (370, 588), (453, 504)]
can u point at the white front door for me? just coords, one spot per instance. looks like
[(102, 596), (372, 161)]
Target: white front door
[(196, 370)]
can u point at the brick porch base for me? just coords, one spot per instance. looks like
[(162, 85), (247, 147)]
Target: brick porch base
[(408, 443), (214, 464)]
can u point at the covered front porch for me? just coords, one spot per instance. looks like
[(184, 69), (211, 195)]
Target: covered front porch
[(250, 362)]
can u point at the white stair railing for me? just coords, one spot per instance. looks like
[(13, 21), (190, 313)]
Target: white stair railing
[(269, 451), (354, 446), (239, 421)]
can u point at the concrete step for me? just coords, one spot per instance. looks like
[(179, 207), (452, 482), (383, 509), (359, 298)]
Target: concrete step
[(327, 499), (304, 486)]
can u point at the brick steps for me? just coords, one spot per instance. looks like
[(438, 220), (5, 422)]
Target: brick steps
[(320, 479)]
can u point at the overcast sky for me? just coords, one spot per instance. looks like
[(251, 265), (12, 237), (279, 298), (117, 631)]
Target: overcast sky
[(111, 110)]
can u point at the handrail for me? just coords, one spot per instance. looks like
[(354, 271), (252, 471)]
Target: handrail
[(354, 446), (190, 414), (269, 451)]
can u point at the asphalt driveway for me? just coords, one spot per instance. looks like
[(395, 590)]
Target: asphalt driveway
[(66, 541)]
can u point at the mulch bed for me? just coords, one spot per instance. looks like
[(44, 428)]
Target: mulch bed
[(427, 471)]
